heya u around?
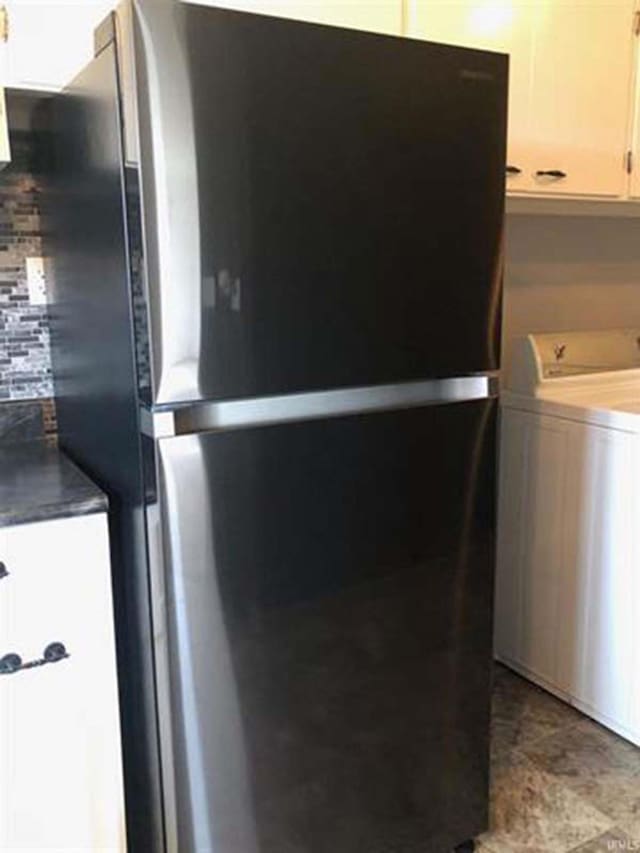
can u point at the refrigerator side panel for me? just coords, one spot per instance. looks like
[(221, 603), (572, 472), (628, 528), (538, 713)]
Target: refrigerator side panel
[(323, 207), (329, 599), (95, 382)]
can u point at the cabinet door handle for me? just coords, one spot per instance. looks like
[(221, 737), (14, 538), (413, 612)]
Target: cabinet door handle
[(514, 170), (4, 572), (551, 173), (12, 663)]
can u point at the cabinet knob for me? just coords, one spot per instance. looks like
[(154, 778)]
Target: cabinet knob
[(551, 173), (55, 652), (4, 572), (10, 663), (514, 170)]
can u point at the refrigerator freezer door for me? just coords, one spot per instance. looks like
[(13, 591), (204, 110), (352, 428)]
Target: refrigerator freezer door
[(329, 588), (323, 207)]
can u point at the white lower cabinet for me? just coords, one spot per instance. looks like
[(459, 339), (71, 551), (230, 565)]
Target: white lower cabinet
[(60, 757), (567, 587)]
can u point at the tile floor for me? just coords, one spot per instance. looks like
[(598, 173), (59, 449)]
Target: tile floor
[(560, 782)]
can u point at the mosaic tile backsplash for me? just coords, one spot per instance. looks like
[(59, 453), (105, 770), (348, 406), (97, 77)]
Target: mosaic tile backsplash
[(25, 364)]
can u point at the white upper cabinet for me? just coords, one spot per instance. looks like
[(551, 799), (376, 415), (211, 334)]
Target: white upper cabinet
[(49, 42), (382, 16), (634, 183), (503, 26), (571, 78), (574, 110), (581, 96)]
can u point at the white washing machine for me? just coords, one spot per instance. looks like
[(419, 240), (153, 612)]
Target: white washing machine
[(568, 571)]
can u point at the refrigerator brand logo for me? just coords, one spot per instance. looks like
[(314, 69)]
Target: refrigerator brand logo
[(222, 291), (469, 74)]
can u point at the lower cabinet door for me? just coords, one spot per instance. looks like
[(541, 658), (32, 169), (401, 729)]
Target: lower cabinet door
[(60, 762)]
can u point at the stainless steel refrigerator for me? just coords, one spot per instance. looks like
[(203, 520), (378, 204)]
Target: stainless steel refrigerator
[(277, 261)]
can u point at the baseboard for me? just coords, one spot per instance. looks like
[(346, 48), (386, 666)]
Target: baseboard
[(584, 707)]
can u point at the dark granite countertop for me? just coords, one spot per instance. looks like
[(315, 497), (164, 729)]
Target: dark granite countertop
[(38, 482)]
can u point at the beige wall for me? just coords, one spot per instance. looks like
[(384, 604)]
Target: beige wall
[(570, 273)]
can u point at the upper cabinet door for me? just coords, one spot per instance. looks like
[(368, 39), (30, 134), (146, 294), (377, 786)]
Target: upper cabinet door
[(634, 177), (571, 80), (581, 96), (381, 16), (49, 42), (504, 26)]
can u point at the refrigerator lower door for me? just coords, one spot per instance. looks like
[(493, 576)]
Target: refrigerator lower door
[(329, 603)]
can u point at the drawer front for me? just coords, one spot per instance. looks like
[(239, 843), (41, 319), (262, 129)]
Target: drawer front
[(56, 584)]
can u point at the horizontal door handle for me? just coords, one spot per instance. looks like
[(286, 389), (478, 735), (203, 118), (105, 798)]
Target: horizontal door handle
[(551, 173), (12, 663), (4, 572), (514, 170), (314, 405)]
